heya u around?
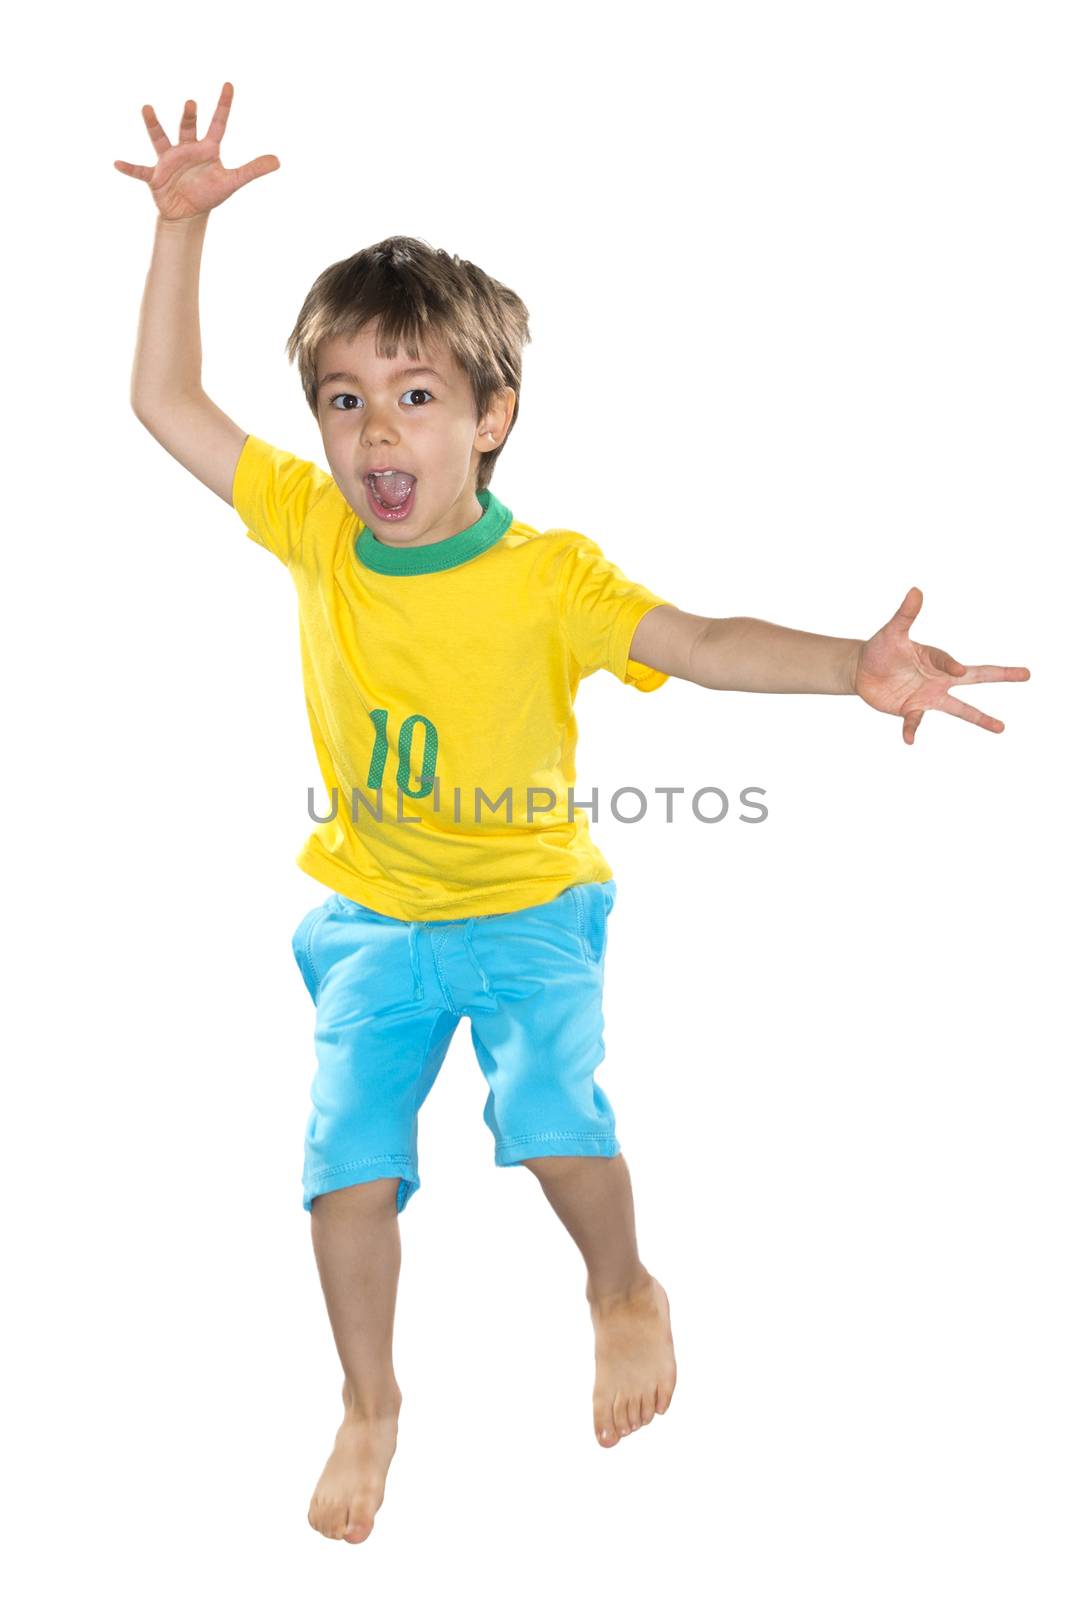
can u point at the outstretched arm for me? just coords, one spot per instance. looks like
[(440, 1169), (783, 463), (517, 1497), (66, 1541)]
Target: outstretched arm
[(187, 182), (888, 671)]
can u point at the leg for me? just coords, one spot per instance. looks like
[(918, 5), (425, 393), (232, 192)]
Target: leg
[(593, 1199), (635, 1366), (356, 1237)]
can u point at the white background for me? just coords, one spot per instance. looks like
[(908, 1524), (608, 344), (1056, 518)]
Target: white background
[(811, 259)]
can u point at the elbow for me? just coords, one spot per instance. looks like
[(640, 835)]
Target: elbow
[(697, 666)]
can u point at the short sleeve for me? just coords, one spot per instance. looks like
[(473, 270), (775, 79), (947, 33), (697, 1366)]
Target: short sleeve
[(600, 609), (274, 494)]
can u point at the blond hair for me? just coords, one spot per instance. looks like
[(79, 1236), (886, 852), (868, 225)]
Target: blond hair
[(418, 292)]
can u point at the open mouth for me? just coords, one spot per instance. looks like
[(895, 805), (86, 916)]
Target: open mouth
[(391, 494)]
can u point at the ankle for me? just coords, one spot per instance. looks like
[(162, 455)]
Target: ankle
[(615, 1291), (368, 1404)]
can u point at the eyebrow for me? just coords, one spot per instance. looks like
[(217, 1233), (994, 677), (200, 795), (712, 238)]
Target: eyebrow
[(406, 372)]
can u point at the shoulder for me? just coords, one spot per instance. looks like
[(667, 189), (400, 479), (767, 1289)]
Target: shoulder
[(287, 503), (260, 459), (553, 551)]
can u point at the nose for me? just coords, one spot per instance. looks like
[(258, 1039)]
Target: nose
[(377, 425)]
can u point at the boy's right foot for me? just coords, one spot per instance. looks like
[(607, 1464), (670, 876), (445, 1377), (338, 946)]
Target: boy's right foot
[(352, 1486)]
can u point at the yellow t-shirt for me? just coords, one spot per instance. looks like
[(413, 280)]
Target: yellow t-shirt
[(440, 684)]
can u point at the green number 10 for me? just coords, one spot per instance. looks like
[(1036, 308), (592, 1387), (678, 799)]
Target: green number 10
[(403, 775)]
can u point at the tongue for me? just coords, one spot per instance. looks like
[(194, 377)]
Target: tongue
[(394, 491)]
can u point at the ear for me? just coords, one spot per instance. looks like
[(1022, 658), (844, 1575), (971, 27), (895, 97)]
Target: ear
[(493, 428)]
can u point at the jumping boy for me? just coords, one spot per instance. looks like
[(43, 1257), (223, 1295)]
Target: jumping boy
[(443, 642)]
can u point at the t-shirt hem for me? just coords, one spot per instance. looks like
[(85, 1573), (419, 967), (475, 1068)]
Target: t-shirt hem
[(478, 903)]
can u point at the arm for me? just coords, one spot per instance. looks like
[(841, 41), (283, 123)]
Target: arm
[(744, 653), (889, 671), (187, 182), (165, 389)]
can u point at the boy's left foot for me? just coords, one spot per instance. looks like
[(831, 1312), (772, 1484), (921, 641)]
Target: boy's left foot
[(635, 1367)]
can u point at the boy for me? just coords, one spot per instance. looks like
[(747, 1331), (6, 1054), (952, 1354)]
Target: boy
[(443, 642)]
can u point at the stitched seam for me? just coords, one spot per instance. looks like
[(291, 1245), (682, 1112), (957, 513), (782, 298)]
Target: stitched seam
[(542, 1138), (562, 616), (457, 899), (306, 946), (583, 940), (367, 1161), (441, 980)]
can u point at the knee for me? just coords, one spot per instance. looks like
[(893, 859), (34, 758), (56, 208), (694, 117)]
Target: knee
[(553, 1166), (375, 1195)]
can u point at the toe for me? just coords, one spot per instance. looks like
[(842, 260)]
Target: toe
[(328, 1520), (356, 1532), (604, 1422), (621, 1414), (648, 1406), (663, 1397), (633, 1411)]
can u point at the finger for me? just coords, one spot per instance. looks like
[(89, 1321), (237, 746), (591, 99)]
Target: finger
[(987, 674), (135, 172), (187, 128), (909, 608), (911, 722), (960, 708), (222, 112), (160, 142), (254, 169)]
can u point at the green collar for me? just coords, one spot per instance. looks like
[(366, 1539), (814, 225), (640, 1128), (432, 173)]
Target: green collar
[(493, 523)]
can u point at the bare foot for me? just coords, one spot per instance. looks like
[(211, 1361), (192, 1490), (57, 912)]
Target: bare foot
[(352, 1486), (635, 1367)]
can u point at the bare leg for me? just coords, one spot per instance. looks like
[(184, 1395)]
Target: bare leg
[(635, 1367), (356, 1237)]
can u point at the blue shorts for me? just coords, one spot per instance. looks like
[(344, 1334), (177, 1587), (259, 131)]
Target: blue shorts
[(388, 996)]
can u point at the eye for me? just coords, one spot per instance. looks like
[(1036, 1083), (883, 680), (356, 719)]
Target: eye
[(346, 396)]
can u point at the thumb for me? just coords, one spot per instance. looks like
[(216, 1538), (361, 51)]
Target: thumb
[(908, 610), (254, 169)]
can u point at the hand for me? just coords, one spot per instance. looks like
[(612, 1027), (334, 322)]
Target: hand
[(905, 679), (189, 178)]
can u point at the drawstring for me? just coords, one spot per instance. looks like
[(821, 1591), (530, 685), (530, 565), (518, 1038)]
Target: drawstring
[(416, 968), (467, 938), (413, 951)]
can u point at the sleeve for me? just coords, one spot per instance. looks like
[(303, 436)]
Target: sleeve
[(600, 608), (274, 493)]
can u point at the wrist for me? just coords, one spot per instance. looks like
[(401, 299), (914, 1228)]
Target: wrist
[(181, 224), (850, 665)]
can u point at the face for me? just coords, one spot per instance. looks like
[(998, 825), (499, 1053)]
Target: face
[(382, 414)]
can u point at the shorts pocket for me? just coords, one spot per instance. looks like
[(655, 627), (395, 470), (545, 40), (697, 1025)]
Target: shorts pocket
[(302, 947), (593, 902)]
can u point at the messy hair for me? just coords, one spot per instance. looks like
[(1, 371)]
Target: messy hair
[(418, 292)]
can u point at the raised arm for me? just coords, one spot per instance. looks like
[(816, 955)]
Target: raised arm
[(166, 394)]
